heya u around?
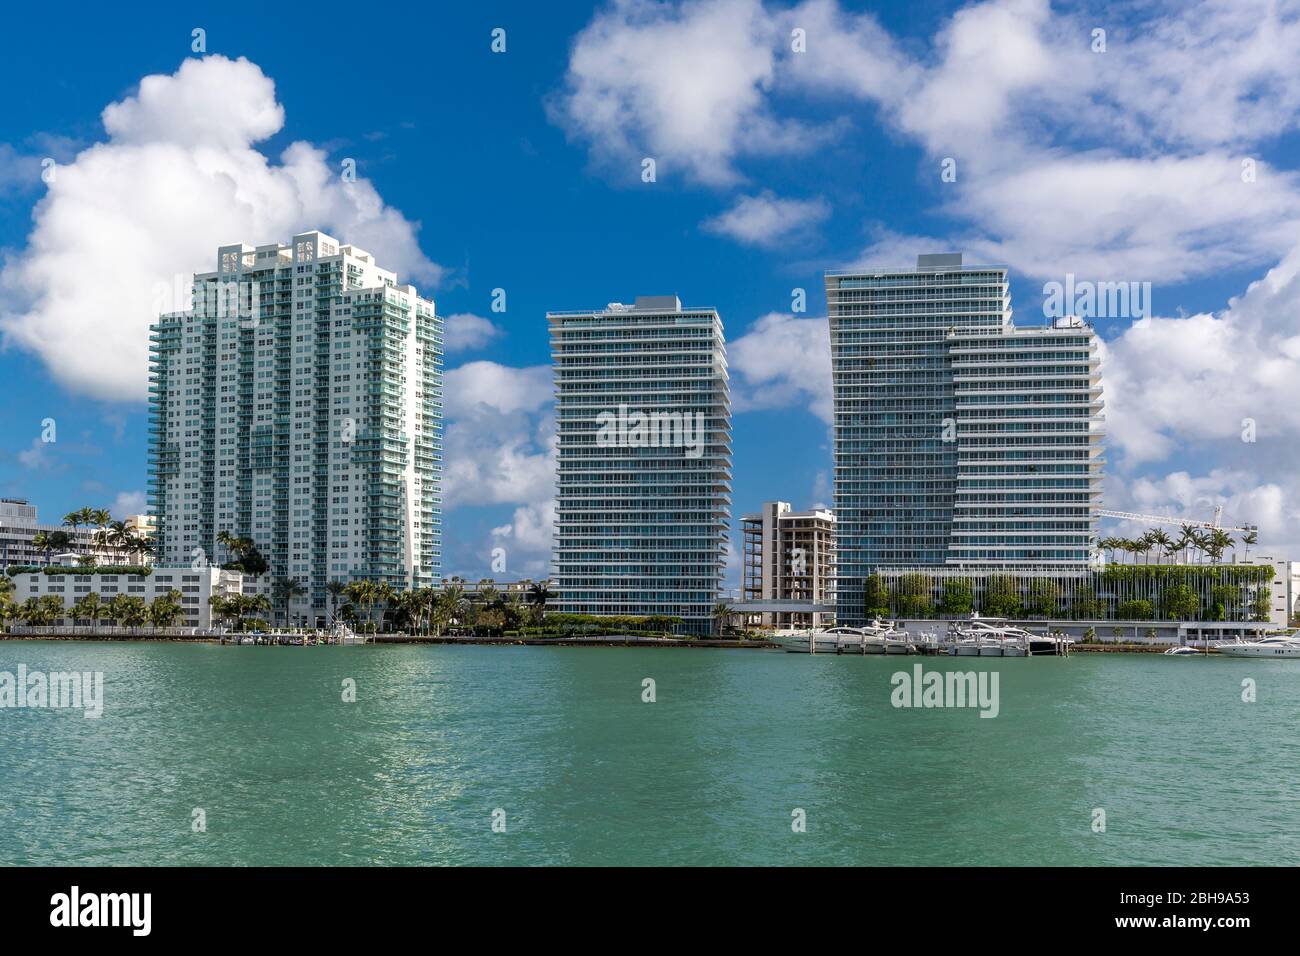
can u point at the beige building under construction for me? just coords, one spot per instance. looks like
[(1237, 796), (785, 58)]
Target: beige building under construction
[(789, 567)]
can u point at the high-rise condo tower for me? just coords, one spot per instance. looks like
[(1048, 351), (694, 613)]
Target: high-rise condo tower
[(960, 439), (299, 403), (643, 417)]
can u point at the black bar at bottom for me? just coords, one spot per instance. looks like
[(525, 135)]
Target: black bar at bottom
[(332, 906)]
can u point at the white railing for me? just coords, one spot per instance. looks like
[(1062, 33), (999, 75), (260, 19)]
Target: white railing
[(107, 630)]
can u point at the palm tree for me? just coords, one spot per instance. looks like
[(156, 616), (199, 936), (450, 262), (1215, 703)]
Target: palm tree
[(165, 609), (100, 518), (1186, 539), (9, 611), (250, 604), (334, 589), (76, 519), (428, 599), (238, 547), (221, 608), (355, 592), (285, 590), (1248, 539), (41, 542), (117, 535), (1226, 540), (449, 606), (1160, 539), (224, 538), (29, 611), (539, 594), (1145, 544), (136, 611), (117, 609), (141, 546), (722, 612), (363, 594), (409, 604), (1217, 541), (384, 595), (42, 611), (89, 607), (1202, 541)]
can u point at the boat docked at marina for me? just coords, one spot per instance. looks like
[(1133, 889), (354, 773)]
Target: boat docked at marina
[(1278, 646), (996, 637), (828, 641), (880, 637)]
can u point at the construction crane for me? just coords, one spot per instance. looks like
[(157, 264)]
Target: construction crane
[(1166, 519)]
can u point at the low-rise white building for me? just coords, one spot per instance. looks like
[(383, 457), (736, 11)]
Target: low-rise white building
[(196, 588)]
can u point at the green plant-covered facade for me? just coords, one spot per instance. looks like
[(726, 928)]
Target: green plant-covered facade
[(1227, 592)]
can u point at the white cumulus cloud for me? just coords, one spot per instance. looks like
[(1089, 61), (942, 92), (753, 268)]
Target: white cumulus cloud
[(177, 175), (499, 448), (767, 219), (465, 332), (1066, 159), (129, 503), (686, 85), (783, 362)]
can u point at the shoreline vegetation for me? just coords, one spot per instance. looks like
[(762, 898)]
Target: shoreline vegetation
[(519, 640), (605, 640)]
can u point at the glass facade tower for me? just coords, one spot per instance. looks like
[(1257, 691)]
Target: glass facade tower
[(960, 439), (643, 493)]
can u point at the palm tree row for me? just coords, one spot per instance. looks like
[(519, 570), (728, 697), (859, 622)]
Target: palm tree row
[(237, 608), (435, 610), (422, 610), (108, 534), (1194, 544), (124, 610)]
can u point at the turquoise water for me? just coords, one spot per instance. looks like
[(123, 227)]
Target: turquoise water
[(586, 773)]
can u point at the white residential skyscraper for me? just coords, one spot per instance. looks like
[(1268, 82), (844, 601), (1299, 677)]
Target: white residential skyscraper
[(643, 416), (299, 403)]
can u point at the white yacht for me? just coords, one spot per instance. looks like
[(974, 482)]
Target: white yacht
[(832, 640), (992, 637), (891, 639), (978, 639), (1182, 650), (1280, 646), (967, 647), (876, 638)]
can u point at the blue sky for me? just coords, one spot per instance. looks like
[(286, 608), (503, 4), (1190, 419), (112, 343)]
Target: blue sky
[(521, 170)]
